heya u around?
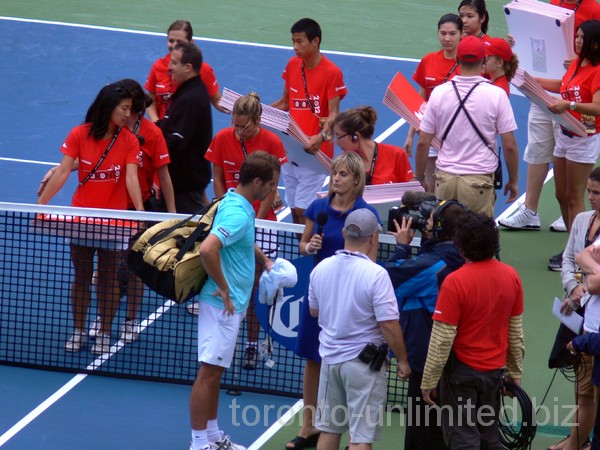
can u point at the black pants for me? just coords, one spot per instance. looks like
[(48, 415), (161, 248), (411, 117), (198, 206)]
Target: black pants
[(596, 439), (189, 202), (423, 422), (470, 402)]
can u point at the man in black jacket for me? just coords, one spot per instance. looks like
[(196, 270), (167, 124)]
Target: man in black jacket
[(187, 128), (416, 283)]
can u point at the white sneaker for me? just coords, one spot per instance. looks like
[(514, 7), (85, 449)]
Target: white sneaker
[(225, 444), (130, 331), (95, 327), (522, 219), (102, 344), (206, 447), (77, 340), (558, 225), (193, 308)]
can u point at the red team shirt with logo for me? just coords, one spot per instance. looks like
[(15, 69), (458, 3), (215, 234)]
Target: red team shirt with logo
[(433, 69), (392, 165), (107, 188), (324, 82), (579, 85), (225, 151)]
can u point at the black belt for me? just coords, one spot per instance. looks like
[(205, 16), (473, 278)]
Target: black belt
[(566, 132)]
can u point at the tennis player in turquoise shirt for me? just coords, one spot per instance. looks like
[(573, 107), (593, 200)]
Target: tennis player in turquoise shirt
[(228, 253)]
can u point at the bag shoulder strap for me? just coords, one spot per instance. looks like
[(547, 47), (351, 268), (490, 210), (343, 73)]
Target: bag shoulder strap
[(202, 229), (164, 233)]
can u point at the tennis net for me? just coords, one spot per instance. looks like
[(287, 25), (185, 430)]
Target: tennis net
[(37, 245)]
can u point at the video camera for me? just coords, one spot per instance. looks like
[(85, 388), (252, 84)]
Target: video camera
[(415, 205)]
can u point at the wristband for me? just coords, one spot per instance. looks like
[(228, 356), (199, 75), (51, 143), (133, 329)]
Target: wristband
[(572, 106), (324, 136), (308, 250)]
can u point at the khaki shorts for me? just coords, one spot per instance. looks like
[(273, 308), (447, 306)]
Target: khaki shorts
[(352, 397), (475, 191), (584, 386)]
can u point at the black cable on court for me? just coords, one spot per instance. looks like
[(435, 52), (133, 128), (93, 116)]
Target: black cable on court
[(520, 436)]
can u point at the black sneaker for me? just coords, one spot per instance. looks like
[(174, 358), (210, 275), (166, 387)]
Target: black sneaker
[(250, 359), (555, 262)]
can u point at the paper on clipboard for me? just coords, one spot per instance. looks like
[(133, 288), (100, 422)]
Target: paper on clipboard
[(293, 138), (574, 322), (297, 155), (544, 36)]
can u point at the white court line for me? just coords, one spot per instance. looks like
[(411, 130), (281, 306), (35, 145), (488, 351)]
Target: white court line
[(116, 347), (220, 41), (274, 429), (28, 161), (391, 130), (41, 408), (521, 200), (67, 387)]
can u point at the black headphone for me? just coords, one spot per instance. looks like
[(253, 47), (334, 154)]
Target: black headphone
[(439, 223), (354, 138)]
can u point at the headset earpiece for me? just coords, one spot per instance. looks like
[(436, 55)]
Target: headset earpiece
[(438, 220), (354, 138)]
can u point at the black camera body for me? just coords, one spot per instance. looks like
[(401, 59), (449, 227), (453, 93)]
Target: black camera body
[(419, 213), (374, 356)]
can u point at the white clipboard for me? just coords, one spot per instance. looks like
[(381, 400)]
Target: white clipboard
[(574, 322)]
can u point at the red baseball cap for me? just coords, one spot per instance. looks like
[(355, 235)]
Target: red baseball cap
[(470, 49), (498, 47)]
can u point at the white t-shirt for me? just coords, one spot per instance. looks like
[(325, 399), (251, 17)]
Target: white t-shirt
[(352, 294)]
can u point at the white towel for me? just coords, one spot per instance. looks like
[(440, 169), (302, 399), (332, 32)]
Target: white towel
[(282, 274)]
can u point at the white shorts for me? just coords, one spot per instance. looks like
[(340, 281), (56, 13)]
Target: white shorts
[(584, 150), (301, 185), (217, 335), (541, 137)]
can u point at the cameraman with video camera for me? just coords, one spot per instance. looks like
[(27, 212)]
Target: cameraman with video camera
[(416, 283)]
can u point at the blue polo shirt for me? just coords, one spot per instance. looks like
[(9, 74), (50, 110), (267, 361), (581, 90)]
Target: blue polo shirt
[(234, 226)]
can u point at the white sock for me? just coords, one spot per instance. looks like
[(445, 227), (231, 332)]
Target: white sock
[(213, 432), (199, 439), (251, 344)]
